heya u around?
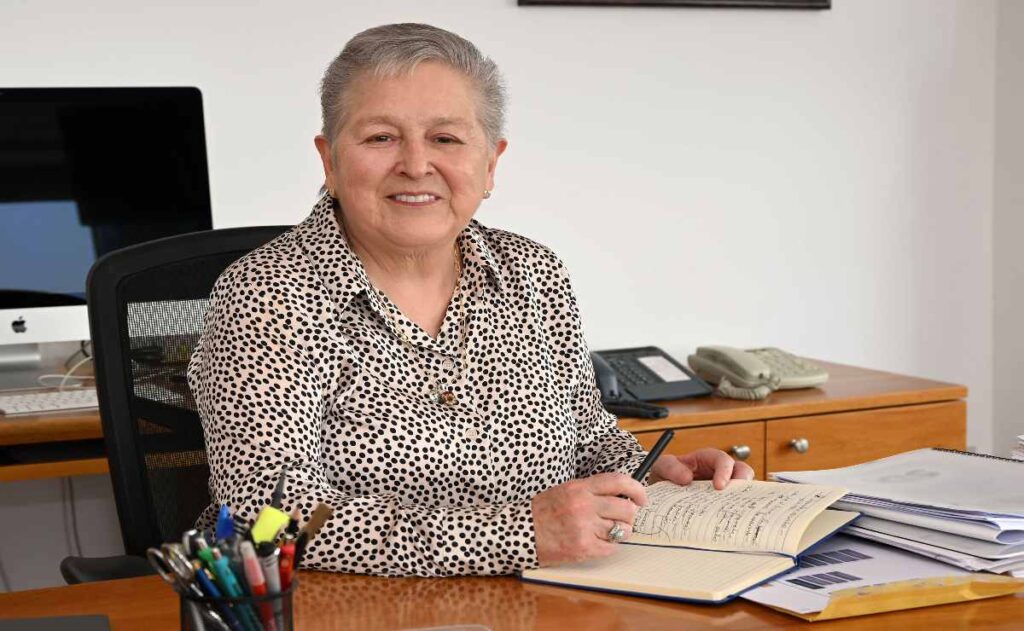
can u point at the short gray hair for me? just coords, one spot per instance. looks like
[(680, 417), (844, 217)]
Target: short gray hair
[(392, 49)]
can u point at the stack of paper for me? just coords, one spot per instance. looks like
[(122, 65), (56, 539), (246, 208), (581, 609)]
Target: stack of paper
[(845, 577), (1018, 451), (956, 507)]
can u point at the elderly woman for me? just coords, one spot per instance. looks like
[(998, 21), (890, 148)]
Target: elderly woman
[(424, 375)]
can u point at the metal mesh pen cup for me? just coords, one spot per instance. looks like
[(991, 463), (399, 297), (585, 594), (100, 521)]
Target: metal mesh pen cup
[(251, 613)]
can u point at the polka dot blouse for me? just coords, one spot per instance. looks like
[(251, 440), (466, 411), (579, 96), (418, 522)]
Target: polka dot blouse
[(428, 449)]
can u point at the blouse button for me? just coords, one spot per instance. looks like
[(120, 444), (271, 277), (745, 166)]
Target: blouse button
[(448, 363), (448, 398), (472, 432)]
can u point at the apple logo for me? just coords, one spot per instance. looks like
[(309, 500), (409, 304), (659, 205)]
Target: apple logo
[(18, 325)]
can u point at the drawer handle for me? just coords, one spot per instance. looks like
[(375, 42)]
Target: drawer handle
[(740, 452), (800, 445)]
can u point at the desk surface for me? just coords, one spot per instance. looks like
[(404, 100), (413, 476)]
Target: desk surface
[(338, 601), (848, 388)]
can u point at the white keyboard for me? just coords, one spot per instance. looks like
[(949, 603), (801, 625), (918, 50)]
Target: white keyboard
[(48, 401)]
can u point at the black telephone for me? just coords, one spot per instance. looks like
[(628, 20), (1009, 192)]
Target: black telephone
[(629, 378)]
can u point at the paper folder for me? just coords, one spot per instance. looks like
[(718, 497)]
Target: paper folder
[(861, 601)]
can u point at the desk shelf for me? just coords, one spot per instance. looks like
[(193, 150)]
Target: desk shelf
[(56, 469), (58, 459)]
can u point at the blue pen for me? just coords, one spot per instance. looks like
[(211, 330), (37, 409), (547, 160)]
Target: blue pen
[(225, 524), (226, 578), (212, 592)]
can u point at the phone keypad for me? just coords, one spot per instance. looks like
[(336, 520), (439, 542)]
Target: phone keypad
[(630, 372), (783, 364)]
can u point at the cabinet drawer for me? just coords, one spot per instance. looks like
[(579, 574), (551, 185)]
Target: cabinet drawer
[(846, 438), (724, 437)]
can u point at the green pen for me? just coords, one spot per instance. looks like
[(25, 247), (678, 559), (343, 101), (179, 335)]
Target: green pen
[(205, 554), (226, 578)]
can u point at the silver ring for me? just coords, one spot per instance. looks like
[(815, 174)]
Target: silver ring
[(616, 534)]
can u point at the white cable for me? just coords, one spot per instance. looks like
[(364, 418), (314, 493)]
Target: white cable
[(68, 375)]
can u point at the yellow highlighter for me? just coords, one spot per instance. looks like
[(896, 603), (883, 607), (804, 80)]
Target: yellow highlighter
[(271, 519)]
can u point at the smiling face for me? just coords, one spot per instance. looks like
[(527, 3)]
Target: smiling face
[(411, 162)]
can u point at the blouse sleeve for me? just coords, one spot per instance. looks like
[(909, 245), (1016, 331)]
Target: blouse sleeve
[(603, 447), (263, 377)]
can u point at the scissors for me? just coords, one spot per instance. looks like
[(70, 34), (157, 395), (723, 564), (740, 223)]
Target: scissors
[(174, 567)]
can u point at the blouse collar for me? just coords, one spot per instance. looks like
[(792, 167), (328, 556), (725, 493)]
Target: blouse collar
[(327, 248)]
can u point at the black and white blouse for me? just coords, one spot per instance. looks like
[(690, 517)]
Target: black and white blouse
[(428, 449)]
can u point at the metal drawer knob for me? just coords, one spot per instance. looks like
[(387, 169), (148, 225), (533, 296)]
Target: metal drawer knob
[(740, 452), (800, 445)]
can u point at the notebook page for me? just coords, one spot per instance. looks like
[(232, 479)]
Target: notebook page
[(747, 515), (671, 572)]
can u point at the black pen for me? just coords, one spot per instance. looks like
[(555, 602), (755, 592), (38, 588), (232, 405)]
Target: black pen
[(653, 454)]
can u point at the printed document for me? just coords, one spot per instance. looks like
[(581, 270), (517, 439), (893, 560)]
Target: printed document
[(840, 563)]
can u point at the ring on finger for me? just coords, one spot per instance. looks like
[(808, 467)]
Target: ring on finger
[(616, 534)]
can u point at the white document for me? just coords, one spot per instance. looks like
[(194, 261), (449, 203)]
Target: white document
[(982, 530), (966, 545), (931, 479), (952, 557), (747, 515), (840, 563)]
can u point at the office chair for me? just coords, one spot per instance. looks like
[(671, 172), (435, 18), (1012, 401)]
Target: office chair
[(146, 305)]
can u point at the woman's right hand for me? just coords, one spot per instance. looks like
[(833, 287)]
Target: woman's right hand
[(571, 521)]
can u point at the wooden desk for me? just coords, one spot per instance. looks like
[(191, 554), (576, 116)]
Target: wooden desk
[(858, 415), (51, 446), (337, 601)]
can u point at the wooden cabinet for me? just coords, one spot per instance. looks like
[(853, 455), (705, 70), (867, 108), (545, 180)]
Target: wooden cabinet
[(858, 415), (838, 440)]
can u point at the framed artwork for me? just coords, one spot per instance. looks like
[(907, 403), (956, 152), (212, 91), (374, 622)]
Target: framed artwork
[(747, 4)]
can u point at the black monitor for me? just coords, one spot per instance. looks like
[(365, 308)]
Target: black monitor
[(84, 171)]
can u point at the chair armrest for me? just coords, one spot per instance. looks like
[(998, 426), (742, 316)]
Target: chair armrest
[(88, 569)]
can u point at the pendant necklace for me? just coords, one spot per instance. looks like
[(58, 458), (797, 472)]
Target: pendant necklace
[(440, 390)]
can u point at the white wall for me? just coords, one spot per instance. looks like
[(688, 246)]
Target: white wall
[(1009, 226), (821, 181)]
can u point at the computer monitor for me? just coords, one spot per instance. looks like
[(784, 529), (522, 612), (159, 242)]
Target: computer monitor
[(84, 171)]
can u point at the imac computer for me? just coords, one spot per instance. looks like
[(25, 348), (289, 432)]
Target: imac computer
[(83, 172)]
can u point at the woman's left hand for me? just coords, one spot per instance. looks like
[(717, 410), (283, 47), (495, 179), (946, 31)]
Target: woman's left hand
[(703, 464)]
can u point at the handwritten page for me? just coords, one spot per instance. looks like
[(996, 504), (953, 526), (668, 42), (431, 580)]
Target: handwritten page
[(747, 516)]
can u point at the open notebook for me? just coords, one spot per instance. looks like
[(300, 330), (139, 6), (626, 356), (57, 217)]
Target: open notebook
[(695, 543)]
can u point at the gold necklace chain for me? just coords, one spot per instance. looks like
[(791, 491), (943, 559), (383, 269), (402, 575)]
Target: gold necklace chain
[(444, 393)]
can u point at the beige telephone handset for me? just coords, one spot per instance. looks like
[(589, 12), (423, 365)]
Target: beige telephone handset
[(754, 374)]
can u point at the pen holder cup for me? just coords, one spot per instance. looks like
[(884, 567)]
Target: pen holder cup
[(252, 613)]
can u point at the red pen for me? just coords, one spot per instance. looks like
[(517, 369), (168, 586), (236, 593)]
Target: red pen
[(257, 584), (287, 561)]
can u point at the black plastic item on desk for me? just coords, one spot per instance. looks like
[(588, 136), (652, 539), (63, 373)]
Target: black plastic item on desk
[(615, 400), (645, 374), (635, 409), (280, 605)]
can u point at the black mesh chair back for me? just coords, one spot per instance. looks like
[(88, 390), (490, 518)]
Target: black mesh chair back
[(146, 307)]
